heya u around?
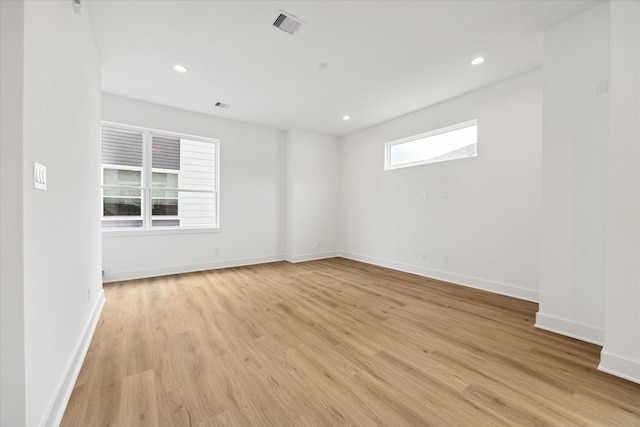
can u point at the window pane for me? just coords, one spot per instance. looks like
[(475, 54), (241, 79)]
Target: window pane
[(164, 203), (164, 180), (122, 206), (122, 177), (455, 142), (121, 192), (164, 194)]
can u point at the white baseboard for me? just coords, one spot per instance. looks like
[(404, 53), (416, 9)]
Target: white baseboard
[(570, 328), (619, 366), (458, 279), (186, 268), (55, 411), (311, 257)]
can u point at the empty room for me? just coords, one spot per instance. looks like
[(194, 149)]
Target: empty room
[(319, 213)]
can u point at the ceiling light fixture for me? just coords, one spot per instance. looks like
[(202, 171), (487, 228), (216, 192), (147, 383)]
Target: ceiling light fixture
[(477, 60), (321, 66), (345, 118), (180, 68)]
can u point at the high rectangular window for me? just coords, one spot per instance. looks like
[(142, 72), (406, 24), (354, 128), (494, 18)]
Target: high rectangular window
[(154, 179), (453, 142)]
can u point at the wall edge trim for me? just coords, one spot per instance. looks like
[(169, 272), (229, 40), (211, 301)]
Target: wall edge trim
[(570, 328), (58, 405), (619, 366), (311, 257), (188, 268), (456, 279)]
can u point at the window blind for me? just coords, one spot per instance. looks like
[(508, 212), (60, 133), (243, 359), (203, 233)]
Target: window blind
[(121, 147), (165, 152)]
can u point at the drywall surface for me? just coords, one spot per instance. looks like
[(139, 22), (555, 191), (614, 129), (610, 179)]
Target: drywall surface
[(312, 182), (12, 373), (62, 251), (574, 176), (252, 198), (621, 352), (480, 215)]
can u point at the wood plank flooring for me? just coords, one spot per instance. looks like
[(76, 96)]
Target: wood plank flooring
[(333, 343)]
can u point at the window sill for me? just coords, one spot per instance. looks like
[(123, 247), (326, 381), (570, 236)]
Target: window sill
[(159, 231)]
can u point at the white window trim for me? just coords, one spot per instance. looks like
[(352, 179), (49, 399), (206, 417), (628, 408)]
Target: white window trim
[(122, 187), (146, 189), (151, 189), (389, 145)]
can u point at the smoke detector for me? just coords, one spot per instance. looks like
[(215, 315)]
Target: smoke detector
[(287, 22), (223, 105)]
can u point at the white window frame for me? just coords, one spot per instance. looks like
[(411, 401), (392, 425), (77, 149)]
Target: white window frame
[(389, 145), (147, 183), (123, 187), (151, 189)]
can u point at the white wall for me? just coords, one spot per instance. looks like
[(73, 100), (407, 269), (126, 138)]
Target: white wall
[(312, 183), (12, 373), (55, 264), (481, 212), (574, 177), (621, 352), (252, 198)]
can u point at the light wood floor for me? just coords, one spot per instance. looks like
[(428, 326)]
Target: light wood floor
[(330, 343)]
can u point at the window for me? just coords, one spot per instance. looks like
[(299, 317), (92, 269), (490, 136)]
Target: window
[(450, 143), (154, 179)]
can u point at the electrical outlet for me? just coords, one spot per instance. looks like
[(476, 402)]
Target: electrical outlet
[(424, 256), (319, 244), (445, 258)]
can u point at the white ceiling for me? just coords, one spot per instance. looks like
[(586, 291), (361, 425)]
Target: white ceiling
[(385, 58)]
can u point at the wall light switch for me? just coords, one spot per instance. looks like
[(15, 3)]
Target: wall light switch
[(39, 176)]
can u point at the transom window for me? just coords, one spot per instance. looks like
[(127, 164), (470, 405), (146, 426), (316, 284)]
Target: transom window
[(453, 142), (154, 179)]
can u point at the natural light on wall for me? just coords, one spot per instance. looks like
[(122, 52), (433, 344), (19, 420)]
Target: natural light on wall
[(453, 142)]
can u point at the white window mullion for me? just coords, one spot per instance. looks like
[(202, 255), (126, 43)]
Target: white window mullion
[(147, 180)]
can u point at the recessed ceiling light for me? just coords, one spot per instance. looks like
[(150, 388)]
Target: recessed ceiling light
[(345, 118), (321, 66), (180, 68), (477, 60)]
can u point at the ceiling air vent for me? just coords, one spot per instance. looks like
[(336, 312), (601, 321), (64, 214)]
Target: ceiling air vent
[(287, 22), (223, 105)]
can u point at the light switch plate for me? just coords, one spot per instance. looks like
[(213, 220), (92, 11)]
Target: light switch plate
[(39, 176)]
